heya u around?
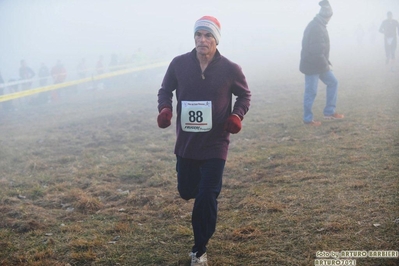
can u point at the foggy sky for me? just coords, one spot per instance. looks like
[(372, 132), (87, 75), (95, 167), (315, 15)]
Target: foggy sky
[(47, 30)]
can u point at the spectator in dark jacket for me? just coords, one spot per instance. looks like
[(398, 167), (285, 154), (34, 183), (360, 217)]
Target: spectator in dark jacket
[(6, 104), (315, 65), (26, 73), (44, 73), (205, 83), (1, 86)]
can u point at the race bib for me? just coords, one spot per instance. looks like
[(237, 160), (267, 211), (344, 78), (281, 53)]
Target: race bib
[(196, 116)]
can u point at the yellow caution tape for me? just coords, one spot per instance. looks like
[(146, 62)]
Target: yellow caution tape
[(21, 94)]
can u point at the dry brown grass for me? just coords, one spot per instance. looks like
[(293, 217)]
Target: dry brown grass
[(91, 180)]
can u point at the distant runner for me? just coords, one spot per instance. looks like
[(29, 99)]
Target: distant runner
[(390, 29)]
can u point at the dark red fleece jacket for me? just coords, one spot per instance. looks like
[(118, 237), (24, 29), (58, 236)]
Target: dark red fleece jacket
[(220, 81)]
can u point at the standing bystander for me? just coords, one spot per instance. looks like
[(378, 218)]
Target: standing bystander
[(44, 73), (315, 65), (59, 73), (26, 73)]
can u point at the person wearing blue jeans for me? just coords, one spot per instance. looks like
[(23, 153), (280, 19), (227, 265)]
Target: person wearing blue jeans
[(311, 83), (315, 65)]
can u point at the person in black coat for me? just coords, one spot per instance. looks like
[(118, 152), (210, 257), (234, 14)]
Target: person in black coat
[(315, 65)]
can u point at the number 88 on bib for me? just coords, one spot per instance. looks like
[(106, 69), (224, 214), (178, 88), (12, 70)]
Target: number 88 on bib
[(196, 116)]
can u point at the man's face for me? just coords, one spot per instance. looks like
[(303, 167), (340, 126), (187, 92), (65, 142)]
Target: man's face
[(205, 43), (389, 15)]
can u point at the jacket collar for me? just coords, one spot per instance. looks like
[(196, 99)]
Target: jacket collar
[(217, 55), (321, 20)]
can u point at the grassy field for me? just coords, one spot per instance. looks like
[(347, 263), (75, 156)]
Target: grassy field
[(91, 180)]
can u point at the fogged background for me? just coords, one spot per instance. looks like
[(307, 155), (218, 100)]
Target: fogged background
[(257, 33)]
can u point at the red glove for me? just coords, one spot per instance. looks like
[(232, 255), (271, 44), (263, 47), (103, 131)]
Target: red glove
[(233, 124), (164, 118)]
